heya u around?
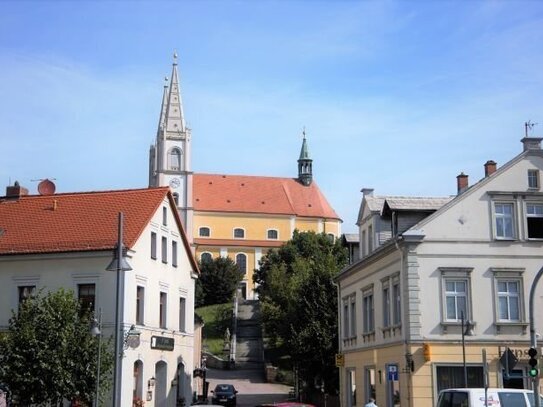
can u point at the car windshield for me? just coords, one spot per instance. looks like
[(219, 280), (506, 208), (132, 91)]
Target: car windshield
[(224, 388)]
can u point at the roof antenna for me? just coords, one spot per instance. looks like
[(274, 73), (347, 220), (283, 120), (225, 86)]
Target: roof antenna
[(528, 126)]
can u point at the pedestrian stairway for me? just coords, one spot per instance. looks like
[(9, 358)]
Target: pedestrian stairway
[(249, 350)]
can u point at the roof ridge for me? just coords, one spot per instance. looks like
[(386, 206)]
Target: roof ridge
[(77, 193)]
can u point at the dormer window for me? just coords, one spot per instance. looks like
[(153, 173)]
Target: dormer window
[(239, 233)]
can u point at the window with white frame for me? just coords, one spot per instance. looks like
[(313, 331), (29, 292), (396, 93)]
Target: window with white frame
[(508, 290), (182, 314), (174, 253), (239, 233), (163, 307), (241, 261), (534, 220), (353, 316), (346, 326), (456, 293), (368, 324), (165, 216), (153, 245), (140, 305), (273, 234), (504, 220), (370, 239), (205, 257), (204, 231), (533, 179), (386, 304), (25, 292), (86, 293), (396, 301), (363, 243)]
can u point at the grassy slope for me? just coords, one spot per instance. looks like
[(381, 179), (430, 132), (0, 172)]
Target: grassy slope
[(216, 319)]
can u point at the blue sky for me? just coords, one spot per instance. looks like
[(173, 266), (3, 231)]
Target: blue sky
[(400, 96)]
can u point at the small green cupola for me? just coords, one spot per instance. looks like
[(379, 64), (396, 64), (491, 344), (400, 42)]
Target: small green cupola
[(305, 165)]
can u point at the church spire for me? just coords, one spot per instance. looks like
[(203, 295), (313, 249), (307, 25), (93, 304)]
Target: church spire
[(305, 164), (162, 120), (174, 119)]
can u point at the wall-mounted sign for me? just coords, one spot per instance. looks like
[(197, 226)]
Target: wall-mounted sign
[(162, 343)]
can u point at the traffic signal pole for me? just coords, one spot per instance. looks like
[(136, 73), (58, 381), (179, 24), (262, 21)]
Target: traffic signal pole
[(533, 338)]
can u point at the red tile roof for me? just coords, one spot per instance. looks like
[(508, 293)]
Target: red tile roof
[(265, 195), (84, 221)]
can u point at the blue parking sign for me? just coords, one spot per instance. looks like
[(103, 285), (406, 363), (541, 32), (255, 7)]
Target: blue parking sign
[(392, 371)]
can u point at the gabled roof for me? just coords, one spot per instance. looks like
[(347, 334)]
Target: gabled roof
[(259, 195), (84, 221), (375, 203)]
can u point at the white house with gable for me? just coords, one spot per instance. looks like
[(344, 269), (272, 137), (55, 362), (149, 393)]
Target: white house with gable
[(469, 262)]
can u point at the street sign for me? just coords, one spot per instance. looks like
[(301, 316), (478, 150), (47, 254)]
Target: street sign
[(508, 360), (340, 360), (392, 371)]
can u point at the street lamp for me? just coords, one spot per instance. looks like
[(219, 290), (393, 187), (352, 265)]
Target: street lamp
[(95, 330), (119, 265), (467, 330)]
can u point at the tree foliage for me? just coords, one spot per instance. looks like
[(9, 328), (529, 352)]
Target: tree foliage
[(299, 302), (218, 281), (48, 353)]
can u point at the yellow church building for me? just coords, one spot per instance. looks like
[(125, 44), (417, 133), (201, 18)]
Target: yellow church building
[(236, 216)]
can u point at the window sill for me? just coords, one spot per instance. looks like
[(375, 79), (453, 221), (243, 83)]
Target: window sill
[(445, 325), (505, 239), (368, 337), (392, 330), (502, 324)]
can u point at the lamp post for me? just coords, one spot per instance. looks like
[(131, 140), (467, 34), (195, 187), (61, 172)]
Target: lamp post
[(467, 330), (95, 331), (119, 265)]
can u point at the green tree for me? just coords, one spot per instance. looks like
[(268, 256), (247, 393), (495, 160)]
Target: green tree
[(218, 280), (48, 353), (299, 302)]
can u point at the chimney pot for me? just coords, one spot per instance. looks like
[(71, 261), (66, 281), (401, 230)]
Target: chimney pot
[(490, 167), (462, 182), (367, 191)]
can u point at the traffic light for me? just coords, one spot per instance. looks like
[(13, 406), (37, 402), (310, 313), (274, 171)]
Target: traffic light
[(534, 371)]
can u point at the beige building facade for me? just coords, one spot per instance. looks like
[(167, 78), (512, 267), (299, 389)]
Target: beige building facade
[(405, 306)]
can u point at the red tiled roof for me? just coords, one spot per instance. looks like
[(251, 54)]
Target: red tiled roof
[(253, 194), (85, 221)]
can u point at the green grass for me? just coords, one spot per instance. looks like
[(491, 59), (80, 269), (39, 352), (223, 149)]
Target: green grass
[(216, 319)]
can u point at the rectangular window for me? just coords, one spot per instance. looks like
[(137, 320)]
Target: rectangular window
[(508, 300), (165, 216), (353, 317), (503, 213), (456, 299), (448, 377), (533, 179), (363, 243), (174, 253), (140, 305), (26, 291), (386, 307), (153, 245), (163, 308), (164, 250), (345, 319), (86, 293), (534, 220), (397, 314), (182, 312), (368, 312), (370, 239)]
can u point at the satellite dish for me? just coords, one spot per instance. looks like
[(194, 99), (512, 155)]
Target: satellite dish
[(46, 187)]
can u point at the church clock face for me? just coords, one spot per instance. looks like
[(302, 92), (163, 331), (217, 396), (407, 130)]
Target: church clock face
[(175, 182)]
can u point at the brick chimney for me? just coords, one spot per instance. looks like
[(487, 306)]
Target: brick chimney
[(462, 182), (15, 191), (490, 167)]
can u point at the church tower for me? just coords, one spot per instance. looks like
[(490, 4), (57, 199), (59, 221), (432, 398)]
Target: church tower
[(305, 165), (170, 156)]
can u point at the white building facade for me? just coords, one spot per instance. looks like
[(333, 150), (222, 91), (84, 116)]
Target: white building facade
[(71, 246), (473, 259)]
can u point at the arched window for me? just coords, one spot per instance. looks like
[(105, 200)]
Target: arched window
[(239, 233), (241, 261), (273, 234), (174, 159), (204, 231), (205, 257), (137, 391)]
